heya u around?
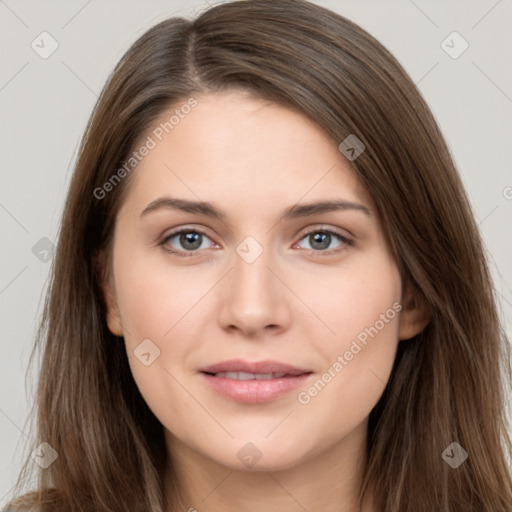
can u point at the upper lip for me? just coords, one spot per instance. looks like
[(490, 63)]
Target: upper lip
[(266, 366)]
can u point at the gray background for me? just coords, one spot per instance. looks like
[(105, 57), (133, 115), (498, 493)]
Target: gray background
[(45, 104)]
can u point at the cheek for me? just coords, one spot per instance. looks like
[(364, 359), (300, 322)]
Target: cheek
[(154, 311), (159, 305), (363, 311), (353, 298), (153, 298), (343, 395)]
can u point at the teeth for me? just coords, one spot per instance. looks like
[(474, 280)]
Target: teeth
[(249, 376), (264, 376)]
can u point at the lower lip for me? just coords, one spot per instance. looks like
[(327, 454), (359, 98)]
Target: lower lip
[(255, 391)]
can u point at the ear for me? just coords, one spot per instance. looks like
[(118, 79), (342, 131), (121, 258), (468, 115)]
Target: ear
[(415, 314), (107, 288)]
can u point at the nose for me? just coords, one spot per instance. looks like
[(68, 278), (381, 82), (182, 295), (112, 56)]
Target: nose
[(254, 300)]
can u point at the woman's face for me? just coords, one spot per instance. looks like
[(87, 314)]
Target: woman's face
[(303, 300)]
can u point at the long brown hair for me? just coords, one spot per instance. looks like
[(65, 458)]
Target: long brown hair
[(446, 385)]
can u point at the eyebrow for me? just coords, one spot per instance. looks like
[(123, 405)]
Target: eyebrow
[(294, 212)]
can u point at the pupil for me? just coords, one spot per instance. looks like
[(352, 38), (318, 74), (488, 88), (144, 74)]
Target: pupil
[(323, 239)]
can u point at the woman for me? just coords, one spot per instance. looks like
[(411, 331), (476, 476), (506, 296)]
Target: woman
[(269, 289)]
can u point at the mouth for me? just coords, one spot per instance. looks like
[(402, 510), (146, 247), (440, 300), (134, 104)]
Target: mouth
[(250, 376), (253, 382)]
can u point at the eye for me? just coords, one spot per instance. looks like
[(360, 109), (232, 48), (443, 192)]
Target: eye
[(321, 239), (189, 240)]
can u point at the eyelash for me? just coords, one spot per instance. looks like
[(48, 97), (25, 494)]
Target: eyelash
[(185, 254)]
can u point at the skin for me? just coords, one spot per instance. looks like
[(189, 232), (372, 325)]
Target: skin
[(297, 303)]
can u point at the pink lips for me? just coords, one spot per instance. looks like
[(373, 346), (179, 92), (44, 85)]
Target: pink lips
[(255, 390)]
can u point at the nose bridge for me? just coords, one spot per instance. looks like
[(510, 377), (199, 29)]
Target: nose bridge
[(254, 296), (252, 279)]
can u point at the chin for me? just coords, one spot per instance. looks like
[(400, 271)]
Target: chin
[(258, 456)]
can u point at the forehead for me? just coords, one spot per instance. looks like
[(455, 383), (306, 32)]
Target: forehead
[(233, 148)]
